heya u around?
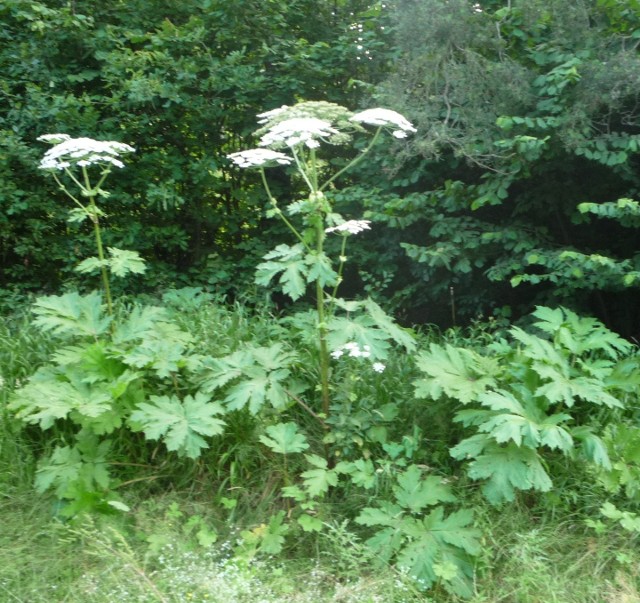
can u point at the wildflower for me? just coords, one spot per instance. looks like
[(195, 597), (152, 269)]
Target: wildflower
[(81, 152), (378, 367), (385, 117), (259, 158), (297, 130), (350, 227)]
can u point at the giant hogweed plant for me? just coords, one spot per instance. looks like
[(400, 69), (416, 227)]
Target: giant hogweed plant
[(294, 136), (413, 529), (114, 369), (543, 395)]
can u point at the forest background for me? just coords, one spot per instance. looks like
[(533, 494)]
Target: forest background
[(517, 191)]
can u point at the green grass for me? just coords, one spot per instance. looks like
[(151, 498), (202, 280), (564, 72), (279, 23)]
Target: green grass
[(527, 560), (534, 559), (45, 560)]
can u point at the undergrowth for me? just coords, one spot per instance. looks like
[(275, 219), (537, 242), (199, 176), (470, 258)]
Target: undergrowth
[(261, 517)]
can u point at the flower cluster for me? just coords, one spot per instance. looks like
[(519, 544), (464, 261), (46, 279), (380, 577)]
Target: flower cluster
[(259, 158), (267, 116), (353, 350), (81, 152), (297, 130), (307, 124), (385, 117), (350, 227)]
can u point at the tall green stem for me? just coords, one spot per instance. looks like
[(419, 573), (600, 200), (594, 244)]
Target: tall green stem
[(96, 228), (342, 258), (322, 329), (273, 202), (353, 162), (320, 302)]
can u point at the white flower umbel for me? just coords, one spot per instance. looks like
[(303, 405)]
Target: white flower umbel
[(54, 138), (378, 367), (350, 227), (267, 116), (82, 152), (353, 350), (298, 130), (259, 158), (385, 117)]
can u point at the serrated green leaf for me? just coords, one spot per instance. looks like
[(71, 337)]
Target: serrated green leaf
[(457, 372), (320, 270), (472, 447), (47, 398), (180, 424), (220, 371), (62, 468), (456, 529), (593, 447), (567, 389), (288, 262), (123, 262), (308, 523), (91, 264), (361, 330), (414, 492), (387, 514), (74, 470), (284, 438), (318, 481), (139, 324), (507, 469), (71, 314), (420, 545), (362, 472), (273, 537), (387, 325)]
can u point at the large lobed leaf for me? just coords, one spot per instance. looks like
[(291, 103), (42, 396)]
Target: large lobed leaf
[(72, 314), (456, 372), (180, 424)]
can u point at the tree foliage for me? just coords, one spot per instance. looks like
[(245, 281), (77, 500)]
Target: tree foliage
[(524, 112), (181, 83)]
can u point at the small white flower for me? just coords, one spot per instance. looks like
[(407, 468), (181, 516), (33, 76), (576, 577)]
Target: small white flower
[(259, 158), (385, 117), (81, 152), (378, 367), (296, 130), (337, 353), (350, 227)]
